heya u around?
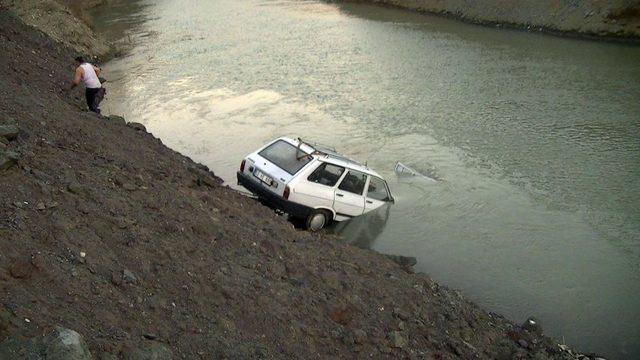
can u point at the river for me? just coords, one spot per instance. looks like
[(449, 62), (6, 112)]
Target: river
[(534, 140)]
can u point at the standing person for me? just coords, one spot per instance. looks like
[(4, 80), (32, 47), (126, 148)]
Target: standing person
[(88, 74)]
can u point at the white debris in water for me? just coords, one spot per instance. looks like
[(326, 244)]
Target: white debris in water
[(402, 169)]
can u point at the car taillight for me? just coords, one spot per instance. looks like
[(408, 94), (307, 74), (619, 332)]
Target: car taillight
[(242, 165), (286, 192)]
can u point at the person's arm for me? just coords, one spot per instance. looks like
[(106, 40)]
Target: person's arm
[(97, 70), (77, 77)]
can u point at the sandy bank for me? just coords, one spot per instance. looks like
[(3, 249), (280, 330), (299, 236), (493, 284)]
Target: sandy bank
[(611, 19)]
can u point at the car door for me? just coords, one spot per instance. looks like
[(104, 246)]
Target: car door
[(349, 195), (377, 194), (318, 189)]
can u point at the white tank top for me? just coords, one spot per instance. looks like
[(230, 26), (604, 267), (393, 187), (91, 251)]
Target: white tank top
[(90, 79)]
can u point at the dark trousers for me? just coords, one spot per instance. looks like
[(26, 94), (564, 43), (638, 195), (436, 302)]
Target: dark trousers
[(90, 94)]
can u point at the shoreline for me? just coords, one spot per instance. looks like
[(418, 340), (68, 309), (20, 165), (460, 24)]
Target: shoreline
[(136, 249), (425, 7)]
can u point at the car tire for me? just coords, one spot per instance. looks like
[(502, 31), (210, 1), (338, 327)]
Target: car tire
[(317, 220)]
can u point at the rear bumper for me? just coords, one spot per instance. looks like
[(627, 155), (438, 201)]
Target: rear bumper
[(273, 200)]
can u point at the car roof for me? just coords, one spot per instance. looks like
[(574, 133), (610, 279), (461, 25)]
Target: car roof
[(326, 154)]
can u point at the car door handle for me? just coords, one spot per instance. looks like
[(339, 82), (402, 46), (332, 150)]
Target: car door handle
[(339, 195), (369, 202)]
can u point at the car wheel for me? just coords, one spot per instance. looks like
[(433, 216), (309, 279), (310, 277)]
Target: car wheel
[(317, 220)]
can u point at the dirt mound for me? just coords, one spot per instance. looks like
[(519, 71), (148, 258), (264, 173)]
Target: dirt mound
[(106, 232)]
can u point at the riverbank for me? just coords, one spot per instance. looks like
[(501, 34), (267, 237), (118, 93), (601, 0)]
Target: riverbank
[(617, 20), (65, 21), (140, 250)]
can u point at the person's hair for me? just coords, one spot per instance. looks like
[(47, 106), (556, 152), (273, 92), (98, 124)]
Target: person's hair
[(80, 59)]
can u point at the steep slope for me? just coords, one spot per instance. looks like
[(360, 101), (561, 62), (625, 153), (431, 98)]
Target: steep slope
[(64, 21), (106, 231)]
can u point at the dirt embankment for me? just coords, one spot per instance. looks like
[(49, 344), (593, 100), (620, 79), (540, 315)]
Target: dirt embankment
[(614, 19), (65, 21), (143, 254)]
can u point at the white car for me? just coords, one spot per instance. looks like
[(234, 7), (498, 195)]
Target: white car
[(312, 183)]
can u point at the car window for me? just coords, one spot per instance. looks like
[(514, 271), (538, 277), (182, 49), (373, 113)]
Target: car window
[(286, 156), (326, 174), (377, 189), (353, 182)]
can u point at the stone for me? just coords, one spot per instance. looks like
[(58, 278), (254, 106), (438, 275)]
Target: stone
[(137, 126), (129, 187), (21, 268), (75, 188), (202, 167), (348, 339), (83, 207), (404, 261), (65, 344), (9, 132), (116, 279), (8, 159), (38, 262), (400, 314), (108, 356), (40, 175), (150, 350), (129, 277), (397, 341), (267, 248), (359, 336), (117, 119), (532, 326), (342, 314), (332, 280), (523, 343), (208, 181), (40, 206)]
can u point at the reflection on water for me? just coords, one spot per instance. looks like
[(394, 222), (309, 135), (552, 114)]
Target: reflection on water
[(363, 230), (534, 140)]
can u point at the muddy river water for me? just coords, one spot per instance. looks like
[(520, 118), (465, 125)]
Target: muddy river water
[(534, 141)]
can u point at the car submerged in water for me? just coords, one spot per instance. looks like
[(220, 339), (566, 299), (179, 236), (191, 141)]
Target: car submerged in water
[(311, 182)]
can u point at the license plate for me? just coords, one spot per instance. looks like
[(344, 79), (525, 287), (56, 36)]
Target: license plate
[(264, 178)]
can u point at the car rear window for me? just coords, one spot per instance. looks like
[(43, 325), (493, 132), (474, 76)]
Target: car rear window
[(286, 156)]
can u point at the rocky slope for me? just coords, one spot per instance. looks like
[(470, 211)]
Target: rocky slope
[(64, 21), (114, 246), (615, 19)]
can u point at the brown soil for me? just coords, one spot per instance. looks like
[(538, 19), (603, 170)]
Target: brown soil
[(106, 231)]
